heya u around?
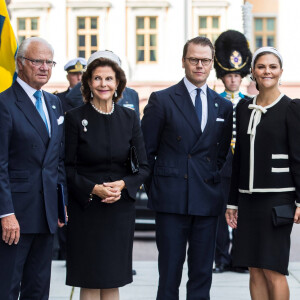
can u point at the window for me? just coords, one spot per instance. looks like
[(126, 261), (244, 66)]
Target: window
[(209, 26), (87, 36), (146, 39), (264, 32), (27, 27)]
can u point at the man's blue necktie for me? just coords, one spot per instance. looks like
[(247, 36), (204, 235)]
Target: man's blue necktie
[(39, 107), (198, 105)]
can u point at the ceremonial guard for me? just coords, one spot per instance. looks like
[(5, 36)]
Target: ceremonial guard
[(232, 63)]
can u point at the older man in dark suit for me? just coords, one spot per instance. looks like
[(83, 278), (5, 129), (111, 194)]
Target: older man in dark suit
[(187, 131), (31, 168)]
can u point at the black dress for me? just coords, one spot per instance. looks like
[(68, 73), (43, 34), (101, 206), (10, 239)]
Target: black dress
[(100, 235), (265, 173)]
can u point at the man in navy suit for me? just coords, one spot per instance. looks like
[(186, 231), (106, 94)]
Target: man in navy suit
[(187, 131), (31, 167)]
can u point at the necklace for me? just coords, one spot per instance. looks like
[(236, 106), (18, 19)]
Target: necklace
[(102, 112)]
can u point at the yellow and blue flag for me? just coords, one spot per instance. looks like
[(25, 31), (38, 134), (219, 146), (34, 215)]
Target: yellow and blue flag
[(8, 49)]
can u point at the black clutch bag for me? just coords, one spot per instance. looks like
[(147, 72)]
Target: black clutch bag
[(133, 160), (283, 214)]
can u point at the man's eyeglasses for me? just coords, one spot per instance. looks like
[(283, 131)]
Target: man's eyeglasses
[(195, 61), (40, 62)]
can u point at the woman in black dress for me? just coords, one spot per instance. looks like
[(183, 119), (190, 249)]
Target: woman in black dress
[(101, 184), (266, 173)]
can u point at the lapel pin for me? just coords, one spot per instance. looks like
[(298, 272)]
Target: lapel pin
[(216, 104), (84, 123), (53, 106)]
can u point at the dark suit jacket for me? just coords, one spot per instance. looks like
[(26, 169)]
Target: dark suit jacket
[(101, 153), (66, 105), (185, 164), (31, 164)]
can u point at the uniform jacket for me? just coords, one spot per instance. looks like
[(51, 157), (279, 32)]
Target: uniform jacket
[(185, 163), (130, 99), (31, 163), (272, 162), (64, 101)]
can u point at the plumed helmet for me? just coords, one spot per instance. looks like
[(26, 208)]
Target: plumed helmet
[(232, 54)]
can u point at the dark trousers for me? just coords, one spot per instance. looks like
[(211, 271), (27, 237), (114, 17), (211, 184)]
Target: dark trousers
[(222, 255), (26, 268), (173, 233)]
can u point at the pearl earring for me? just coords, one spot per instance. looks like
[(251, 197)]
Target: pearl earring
[(92, 96), (116, 94)]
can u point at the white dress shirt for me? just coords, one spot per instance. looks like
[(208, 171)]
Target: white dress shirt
[(192, 89), (30, 91)]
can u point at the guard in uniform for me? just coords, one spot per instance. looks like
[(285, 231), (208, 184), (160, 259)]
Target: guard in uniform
[(74, 69), (232, 62)]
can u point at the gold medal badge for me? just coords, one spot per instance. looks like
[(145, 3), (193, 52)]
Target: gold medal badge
[(236, 59)]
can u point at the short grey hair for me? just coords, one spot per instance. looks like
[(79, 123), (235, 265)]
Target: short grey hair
[(24, 46)]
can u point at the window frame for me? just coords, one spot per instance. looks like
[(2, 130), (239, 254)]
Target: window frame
[(28, 32), (147, 32), (87, 32), (209, 31), (264, 33)]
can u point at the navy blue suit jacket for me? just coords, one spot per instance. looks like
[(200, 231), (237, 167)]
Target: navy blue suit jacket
[(31, 163), (185, 163)]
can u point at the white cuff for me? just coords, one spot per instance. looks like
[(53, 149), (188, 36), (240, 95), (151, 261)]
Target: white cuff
[(297, 204), (2, 216), (232, 207)]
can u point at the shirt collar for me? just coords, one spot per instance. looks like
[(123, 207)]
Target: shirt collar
[(27, 88), (191, 87)]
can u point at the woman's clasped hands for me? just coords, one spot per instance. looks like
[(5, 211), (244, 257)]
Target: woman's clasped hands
[(109, 192)]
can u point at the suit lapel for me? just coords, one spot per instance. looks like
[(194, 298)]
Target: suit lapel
[(212, 110), (51, 107), (32, 115), (183, 101), (212, 113)]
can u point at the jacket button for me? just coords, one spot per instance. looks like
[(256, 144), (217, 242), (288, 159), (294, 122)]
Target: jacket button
[(207, 158), (206, 180), (185, 176), (189, 156), (179, 138)]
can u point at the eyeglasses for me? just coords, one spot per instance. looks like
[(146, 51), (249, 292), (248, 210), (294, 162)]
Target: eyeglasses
[(40, 62), (195, 61)]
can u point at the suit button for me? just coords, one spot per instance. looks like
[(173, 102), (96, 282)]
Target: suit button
[(185, 176), (179, 138), (189, 156), (206, 180), (207, 158)]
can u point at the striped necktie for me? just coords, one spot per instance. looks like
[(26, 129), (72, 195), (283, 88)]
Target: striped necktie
[(39, 107)]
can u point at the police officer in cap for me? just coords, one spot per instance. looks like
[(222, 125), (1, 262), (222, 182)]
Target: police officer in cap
[(232, 62), (74, 68)]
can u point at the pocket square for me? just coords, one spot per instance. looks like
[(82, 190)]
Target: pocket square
[(220, 120), (60, 120)]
